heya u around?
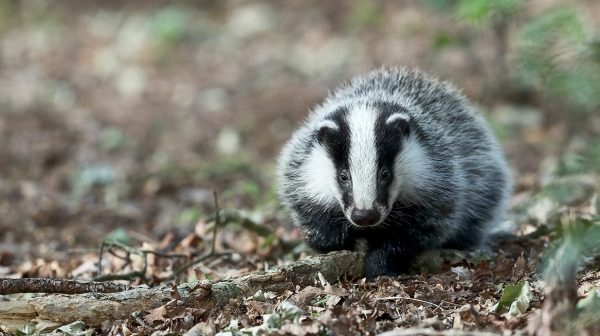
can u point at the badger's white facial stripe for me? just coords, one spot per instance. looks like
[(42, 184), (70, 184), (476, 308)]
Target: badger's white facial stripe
[(396, 116), (363, 156), (412, 169), (319, 177), (328, 124)]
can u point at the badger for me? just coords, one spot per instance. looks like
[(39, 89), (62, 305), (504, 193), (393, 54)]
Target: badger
[(399, 160)]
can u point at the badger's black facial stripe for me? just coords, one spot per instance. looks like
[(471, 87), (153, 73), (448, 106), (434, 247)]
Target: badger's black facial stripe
[(336, 140), (390, 131), (326, 131)]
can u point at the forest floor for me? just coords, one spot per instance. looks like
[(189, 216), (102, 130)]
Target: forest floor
[(118, 125)]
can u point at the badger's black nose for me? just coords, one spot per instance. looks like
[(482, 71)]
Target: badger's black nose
[(365, 217)]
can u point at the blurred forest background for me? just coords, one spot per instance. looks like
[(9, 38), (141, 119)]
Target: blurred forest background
[(129, 114), (120, 118)]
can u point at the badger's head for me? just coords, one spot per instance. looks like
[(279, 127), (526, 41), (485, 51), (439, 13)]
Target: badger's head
[(363, 158)]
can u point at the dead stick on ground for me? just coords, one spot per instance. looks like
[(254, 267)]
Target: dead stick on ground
[(216, 227), (95, 308), (46, 285)]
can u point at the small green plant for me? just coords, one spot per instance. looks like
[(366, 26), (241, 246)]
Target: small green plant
[(189, 216), (168, 25)]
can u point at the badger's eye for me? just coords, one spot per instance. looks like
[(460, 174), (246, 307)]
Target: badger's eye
[(384, 174), (344, 178)]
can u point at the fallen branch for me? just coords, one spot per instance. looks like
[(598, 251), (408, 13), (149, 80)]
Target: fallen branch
[(48, 285), (95, 308)]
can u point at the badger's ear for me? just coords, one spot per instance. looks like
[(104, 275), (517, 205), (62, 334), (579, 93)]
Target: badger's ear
[(399, 122), (326, 130)]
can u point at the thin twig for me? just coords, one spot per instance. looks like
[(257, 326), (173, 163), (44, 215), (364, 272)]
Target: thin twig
[(410, 299), (195, 261), (217, 223), (129, 251), (100, 258), (165, 255), (233, 216), (126, 257)]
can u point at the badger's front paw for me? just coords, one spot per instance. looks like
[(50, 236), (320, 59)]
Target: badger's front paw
[(384, 261)]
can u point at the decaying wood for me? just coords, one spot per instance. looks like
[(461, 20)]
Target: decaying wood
[(95, 308), (46, 285)]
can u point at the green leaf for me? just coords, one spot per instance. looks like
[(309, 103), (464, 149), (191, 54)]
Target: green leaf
[(118, 235), (515, 299)]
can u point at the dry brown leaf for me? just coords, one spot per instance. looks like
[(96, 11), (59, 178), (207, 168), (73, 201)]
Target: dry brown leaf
[(156, 314)]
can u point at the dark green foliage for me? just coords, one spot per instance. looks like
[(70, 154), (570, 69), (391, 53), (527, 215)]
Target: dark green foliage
[(556, 55)]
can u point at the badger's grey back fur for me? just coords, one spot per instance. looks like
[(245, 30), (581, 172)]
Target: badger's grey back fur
[(450, 185)]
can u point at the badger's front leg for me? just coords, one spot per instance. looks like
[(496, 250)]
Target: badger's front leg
[(387, 258), (327, 233)]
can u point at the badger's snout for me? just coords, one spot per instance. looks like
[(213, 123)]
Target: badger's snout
[(365, 217)]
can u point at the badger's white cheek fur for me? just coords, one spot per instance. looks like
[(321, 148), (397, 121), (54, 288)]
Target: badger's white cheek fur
[(363, 156), (319, 176), (412, 170)]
